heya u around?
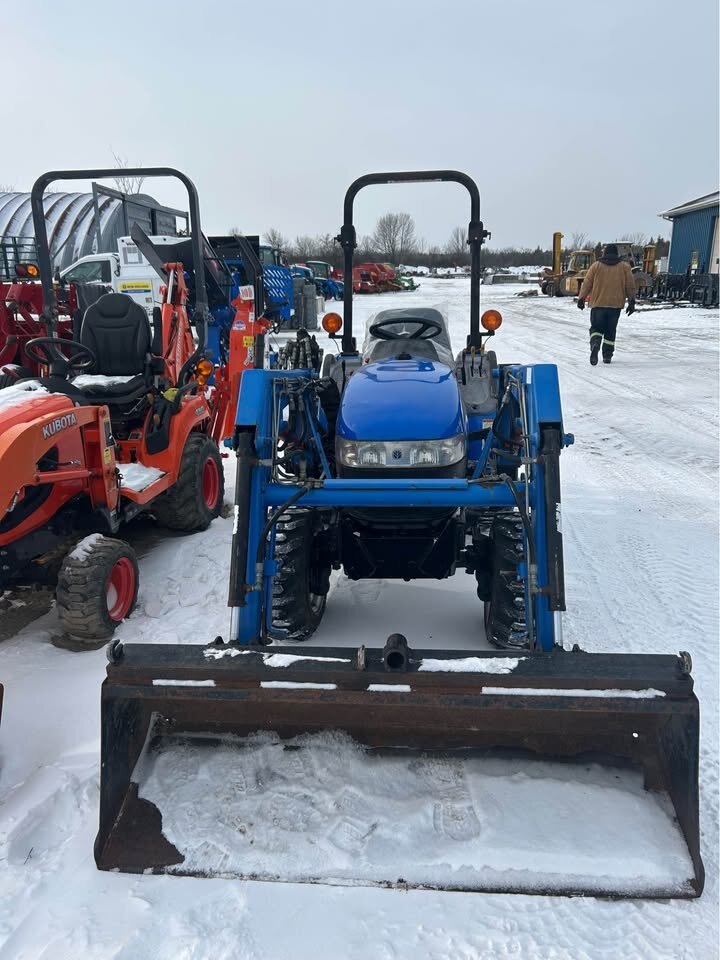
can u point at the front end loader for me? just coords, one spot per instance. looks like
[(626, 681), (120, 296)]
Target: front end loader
[(515, 766)]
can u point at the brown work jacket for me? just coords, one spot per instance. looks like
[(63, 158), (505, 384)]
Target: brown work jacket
[(608, 284)]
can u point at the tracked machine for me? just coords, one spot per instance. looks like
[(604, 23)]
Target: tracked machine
[(401, 461)]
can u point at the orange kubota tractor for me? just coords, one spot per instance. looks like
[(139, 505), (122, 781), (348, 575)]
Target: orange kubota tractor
[(119, 422)]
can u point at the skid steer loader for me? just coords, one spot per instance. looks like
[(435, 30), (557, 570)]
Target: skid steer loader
[(526, 767)]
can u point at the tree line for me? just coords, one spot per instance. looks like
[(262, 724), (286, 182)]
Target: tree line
[(395, 240)]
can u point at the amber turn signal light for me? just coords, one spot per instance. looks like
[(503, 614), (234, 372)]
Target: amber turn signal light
[(491, 319), (331, 323)]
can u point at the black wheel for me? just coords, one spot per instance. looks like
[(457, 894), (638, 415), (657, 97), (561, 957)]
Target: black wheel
[(301, 584), (505, 623), (97, 587), (197, 497)]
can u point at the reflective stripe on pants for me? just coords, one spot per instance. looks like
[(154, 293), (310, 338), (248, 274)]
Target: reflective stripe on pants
[(603, 324)]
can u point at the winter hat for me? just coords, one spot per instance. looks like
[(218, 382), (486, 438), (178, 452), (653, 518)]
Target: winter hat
[(611, 250)]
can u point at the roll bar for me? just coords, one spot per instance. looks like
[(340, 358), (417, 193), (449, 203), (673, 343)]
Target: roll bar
[(476, 236), (43, 247)]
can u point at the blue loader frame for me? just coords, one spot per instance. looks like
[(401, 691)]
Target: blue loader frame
[(260, 500)]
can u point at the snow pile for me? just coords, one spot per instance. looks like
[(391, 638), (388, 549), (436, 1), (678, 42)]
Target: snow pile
[(81, 551), (183, 683), (327, 809), (470, 665), (18, 393), (296, 685), (137, 477), (99, 380), (647, 694)]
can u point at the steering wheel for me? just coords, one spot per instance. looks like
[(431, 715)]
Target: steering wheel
[(427, 329), (49, 351)]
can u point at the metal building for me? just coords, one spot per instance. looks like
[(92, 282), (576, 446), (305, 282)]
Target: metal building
[(78, 224), (694, 242)]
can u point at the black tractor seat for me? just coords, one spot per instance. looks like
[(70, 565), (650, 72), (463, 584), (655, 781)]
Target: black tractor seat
[(117, 330), (117, 389)]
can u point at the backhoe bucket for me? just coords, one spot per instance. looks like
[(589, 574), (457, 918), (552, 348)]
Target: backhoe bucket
[(566, 773)]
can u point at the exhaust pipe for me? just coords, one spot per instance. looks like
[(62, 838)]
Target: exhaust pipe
[(396, 654)]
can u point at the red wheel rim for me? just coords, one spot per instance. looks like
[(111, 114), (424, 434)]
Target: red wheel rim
[(120, 589), (211, 483)]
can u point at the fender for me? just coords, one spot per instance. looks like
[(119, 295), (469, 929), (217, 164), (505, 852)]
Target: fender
[(194, 415), (57, 423)]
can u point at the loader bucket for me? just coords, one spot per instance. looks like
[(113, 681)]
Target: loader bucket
[(566, 773)]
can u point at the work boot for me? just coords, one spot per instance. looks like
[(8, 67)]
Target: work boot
[(594, 350), (607, 357)]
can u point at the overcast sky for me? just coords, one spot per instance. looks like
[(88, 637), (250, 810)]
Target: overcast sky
[(571, 116)]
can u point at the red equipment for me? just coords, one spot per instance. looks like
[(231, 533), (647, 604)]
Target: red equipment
[(374, 278), (366, 279), (21, 305), (82, 454), (245, 334)]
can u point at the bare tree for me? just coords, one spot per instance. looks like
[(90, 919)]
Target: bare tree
[(123, 183), (235, 232), (394, 236), (7, 187), (457, 246), (637, 239), (275, 239), (326, 249), (365, 249), (303, 248), (578, 240)]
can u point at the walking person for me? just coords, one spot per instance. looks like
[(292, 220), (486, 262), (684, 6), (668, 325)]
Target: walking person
[(608, 283)]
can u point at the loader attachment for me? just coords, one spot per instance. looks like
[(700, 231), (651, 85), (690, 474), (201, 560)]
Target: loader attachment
[(566, 773)]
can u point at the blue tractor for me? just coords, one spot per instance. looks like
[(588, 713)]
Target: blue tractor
[(410, 461), (330, 288)]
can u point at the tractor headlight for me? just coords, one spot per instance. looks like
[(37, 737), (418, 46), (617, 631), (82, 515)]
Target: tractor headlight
[(367, 454)]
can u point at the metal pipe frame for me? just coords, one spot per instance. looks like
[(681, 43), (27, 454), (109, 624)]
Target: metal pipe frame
[(476, 237), (43, 247)]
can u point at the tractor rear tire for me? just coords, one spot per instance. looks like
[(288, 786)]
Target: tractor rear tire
[(97, 588), (505, 623), (197, 497), (301, 585)]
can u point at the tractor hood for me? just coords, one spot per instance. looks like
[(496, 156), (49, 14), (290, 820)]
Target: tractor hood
[(414, 399)]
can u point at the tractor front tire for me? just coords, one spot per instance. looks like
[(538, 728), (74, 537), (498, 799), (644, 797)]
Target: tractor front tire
[(301, 585), (97, 588), (505, 616), (197, 497)]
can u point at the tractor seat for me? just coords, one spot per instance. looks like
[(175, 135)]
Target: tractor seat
[(436, 347), (117, 330)]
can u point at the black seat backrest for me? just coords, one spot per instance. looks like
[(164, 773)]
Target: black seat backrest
[(117, 330)]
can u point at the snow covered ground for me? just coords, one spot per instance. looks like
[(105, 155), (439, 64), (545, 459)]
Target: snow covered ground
[(640, 519)]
